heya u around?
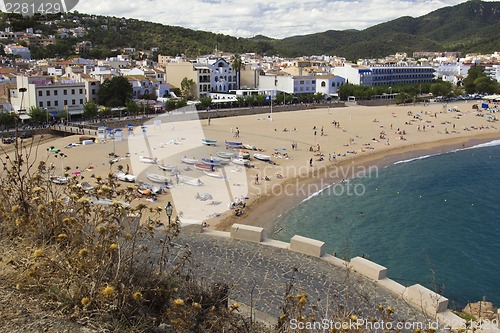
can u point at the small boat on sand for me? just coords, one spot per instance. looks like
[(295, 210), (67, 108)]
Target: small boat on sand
[(188, 160), (208, 142), (190, 180), (155, 178), (215, 174), (233, 144), (148, 159), (202, 167), (249, 147), (166, 167), (60, 180), (240, 161), (242, 153), (225, 154), (124, 177), (210, 161), (262, 157)]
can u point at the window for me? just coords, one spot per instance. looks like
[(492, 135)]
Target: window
[(47, 93), (93, 91), (40, 93), (73, 102), (65, 92), (72, 91), (55, 92), (65, 102), (48, 104), (81, 100), (40, 104), (323, 84), (56, 103), (80, 91)]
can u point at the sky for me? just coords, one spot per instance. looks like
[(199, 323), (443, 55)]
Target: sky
[(271, 18)]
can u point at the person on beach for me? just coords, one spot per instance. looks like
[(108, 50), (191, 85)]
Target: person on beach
[(311, 162), (257, 179)]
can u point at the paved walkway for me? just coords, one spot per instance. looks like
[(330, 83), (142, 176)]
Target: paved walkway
[(258, 274)]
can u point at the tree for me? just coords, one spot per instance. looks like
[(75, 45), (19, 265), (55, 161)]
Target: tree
[(188, 89), (90, 110), (473, 74), (170, 104), (441, 88), (236, 65), (115, 92), (205, 102), (38, 115), (132, 107)]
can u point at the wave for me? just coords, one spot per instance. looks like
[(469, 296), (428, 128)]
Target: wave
[(486, 144), (481, 145), (315, 194), (415, 159)]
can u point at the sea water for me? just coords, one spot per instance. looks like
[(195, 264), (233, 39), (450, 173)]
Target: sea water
[(433, 220)]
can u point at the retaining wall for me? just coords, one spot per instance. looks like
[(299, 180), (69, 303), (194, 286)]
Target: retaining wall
[(422, 299)]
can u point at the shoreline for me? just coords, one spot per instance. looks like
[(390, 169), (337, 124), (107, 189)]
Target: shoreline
[(264, 210)]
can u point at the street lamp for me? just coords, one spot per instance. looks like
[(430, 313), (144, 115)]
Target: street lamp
[(169, 208)]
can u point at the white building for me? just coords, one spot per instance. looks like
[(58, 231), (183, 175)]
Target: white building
[(290, 84), (354, 74), (493, 72), (447, 71), (45, 93), (328, 85)]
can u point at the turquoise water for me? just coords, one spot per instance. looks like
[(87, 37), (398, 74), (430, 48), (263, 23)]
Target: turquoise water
[(434, 220)]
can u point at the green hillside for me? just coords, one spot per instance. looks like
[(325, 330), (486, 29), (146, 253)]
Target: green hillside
[(473, 26)]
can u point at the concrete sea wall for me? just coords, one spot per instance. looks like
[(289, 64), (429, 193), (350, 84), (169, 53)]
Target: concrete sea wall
[(419, 297)]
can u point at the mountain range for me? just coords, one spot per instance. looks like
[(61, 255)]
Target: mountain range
[(470, 27)]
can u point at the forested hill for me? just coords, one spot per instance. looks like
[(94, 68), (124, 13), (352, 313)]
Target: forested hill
[(473, 26)]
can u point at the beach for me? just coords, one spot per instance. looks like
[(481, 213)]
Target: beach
[(329, 146)]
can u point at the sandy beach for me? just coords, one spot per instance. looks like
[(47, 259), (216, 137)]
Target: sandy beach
[(329, 145)]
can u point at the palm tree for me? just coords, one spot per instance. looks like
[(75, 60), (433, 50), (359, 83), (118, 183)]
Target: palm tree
[(236, 65)]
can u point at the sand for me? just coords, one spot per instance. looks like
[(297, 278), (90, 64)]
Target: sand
[(355, 142)]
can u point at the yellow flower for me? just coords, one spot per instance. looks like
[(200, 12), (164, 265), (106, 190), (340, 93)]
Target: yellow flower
[(62, 236), (137, 296), (390, 309), (85, 301), (196, 305), (354, 317), (127, 235), (15, 209), (19, 286), (38, 253), (113, 247), (83, 201), (83, 252), (108, 291), (101, 229), (235, 306), (178, 302), (303, 300), (380, 307)]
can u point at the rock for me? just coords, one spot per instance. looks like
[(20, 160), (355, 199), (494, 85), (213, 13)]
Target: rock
[(482, 309)]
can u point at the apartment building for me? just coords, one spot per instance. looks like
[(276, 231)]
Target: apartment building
[(46, 93)]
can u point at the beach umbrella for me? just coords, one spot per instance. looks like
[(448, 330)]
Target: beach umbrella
[(417, 115), (76, 173)]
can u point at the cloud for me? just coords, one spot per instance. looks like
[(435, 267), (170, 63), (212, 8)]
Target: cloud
[(272, 18)]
